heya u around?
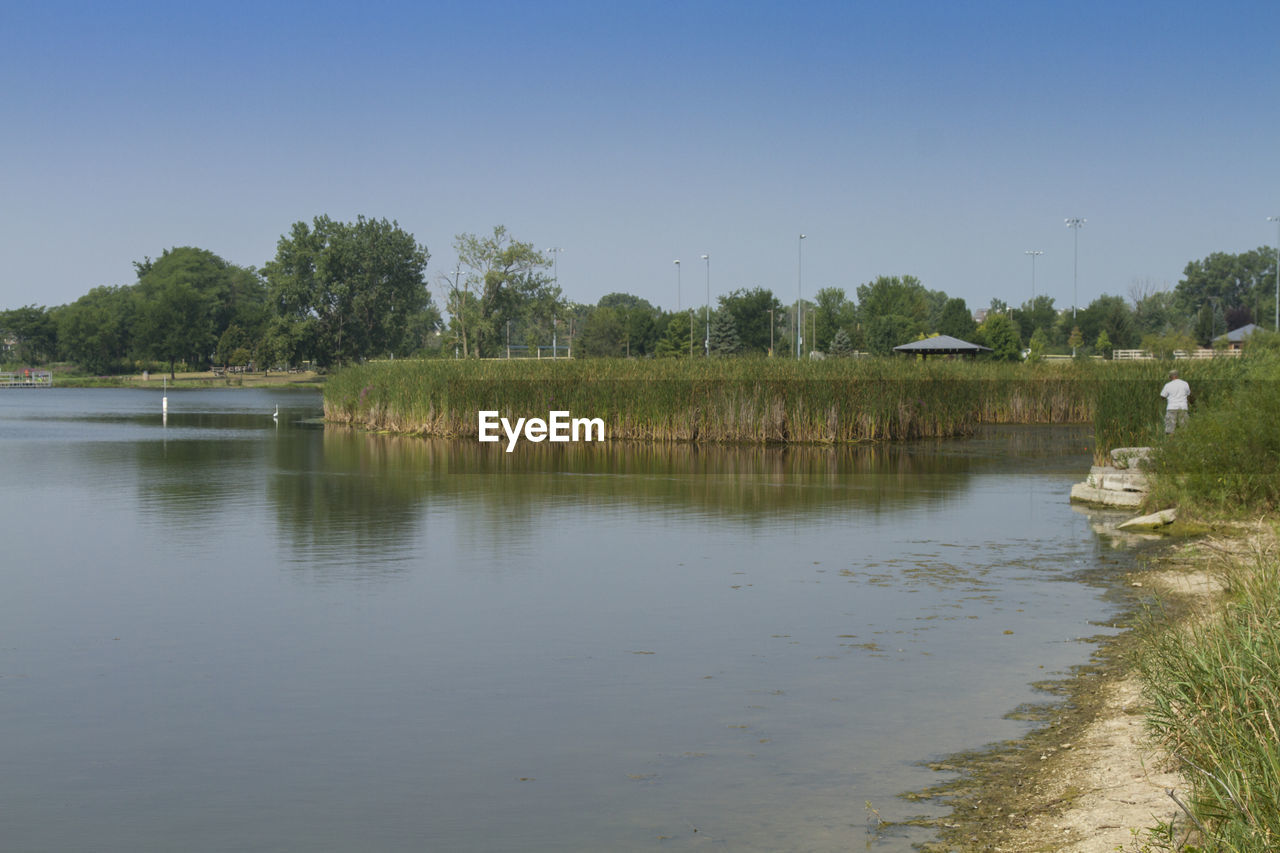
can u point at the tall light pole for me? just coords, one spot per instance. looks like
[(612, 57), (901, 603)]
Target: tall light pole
[(555, 278), (1276, 220), (706, 342), (1033, 253), (1075, 223), (799, 294), (677, 263)]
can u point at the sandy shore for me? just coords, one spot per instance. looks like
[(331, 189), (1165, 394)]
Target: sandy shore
[(1089, 780)]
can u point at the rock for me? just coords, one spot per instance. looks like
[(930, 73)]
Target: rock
[(1150, 522), (1116, 479), (1130, 457), (1107, 497)]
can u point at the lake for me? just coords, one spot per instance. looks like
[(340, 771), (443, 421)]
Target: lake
[(226, 632)]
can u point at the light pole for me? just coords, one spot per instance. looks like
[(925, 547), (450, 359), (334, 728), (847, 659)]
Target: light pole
[(1276, 220), (555, 279), (1075, 223), (706, 342), (799, 294), (1033, 253), (677, 263)]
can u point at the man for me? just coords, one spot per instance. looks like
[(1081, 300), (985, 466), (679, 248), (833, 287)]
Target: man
[(1177, 392)]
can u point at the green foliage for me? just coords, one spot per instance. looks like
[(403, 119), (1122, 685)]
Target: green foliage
[(957, 321), (718, 399), (1001, 334), (749, 312), (1102, 345), (1037, 315), (841, 345), (346, 291), (677, 339), (833, 313), (509, 284), (893, 311), (1244, 280), (1227, 457), (34, 333), (96, 330), (1214, 698), (724, 335), (1165, 345)]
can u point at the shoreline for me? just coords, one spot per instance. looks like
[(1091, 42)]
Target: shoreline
[(1089, 780), (202, 379)]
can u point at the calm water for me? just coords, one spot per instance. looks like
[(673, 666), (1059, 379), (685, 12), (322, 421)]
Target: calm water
[(219, 633)]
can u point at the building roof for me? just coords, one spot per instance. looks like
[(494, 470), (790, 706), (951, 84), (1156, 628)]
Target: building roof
[(1236, 336), (942, 345)]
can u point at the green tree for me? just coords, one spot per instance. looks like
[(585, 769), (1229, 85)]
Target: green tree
[(833, 311), (1243, 280), (347, 290), (1037, 313), (1075, 340), (505, 275), (892, 311), (724, 335), (95, 331), (1103, 345), (1110, 314), (956, 320), (1001, 334), (677, 338), (34, 333), (603, 334), (749, 310), (1038, 345), (841, 344)]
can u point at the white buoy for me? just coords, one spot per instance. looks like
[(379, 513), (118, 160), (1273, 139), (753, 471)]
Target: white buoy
[(164, 401), (275, 416)]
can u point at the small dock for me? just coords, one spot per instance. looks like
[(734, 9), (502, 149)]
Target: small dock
[(27, 378)]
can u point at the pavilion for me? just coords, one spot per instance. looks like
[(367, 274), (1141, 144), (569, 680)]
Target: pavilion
[(941, 345)]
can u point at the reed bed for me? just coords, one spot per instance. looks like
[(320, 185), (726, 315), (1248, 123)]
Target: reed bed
[(752, 400)]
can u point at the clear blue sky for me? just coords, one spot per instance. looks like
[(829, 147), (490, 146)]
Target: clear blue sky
[(941, 140)]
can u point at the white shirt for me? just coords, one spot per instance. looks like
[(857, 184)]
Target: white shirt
[(1176, 391)]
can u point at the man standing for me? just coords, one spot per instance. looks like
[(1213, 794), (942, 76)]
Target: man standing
[(1177, 392)]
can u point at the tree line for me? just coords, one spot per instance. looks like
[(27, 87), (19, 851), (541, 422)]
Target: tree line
[(339, 292)]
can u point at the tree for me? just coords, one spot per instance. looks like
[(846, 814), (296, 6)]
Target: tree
[(841, 344), (749, 310), (603, 334), (34, 333), (1075, 340), (1103, 345), (347, 290), (677, 338), (506, 275), (832, 312), (1037, 313), (174, 323), (1112, 315), (1243, 280), (95, 330), (724, 335), (1001, 334), (956, 320), (893, 311)]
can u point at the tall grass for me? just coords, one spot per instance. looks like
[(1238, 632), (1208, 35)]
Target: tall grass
[(1226, 459), (755, 401), (1213, 687)]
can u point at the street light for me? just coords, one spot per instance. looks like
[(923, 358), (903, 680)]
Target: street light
[(706, 342), (677, 263), (799, 294), (1075, 223), (555, 277), (1033, 253), (1276, 220)]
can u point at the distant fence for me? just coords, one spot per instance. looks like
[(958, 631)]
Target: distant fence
[(27, 378), (1143, 355)]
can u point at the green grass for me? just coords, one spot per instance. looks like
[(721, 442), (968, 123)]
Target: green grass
[(763, 400), (1213, 688)]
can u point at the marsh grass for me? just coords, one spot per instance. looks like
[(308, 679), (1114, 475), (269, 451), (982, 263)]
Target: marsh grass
[(1213, 688), (1226, 459), (759, 400)]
